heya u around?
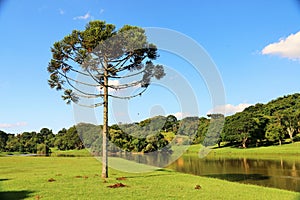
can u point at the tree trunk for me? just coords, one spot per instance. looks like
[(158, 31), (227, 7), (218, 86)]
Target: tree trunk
[(290, 131), (105, 126), (279, 142), (244, 142)]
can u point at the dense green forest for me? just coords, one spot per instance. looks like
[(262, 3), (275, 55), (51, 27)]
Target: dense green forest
[(258, 125)]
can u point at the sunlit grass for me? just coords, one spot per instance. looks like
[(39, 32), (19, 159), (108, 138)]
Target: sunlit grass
[(70, 153), (287, 151), (79, 178)]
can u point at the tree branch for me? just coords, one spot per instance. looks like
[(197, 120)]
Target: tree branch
[(94, 78), (90, 106), (78, 90), (128, 97), (127, 76), (82, 73), (124, 86), (76, 81)]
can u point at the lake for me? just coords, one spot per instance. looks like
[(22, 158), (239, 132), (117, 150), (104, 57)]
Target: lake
[(276, 172)]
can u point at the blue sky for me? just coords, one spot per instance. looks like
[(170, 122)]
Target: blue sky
[(254, 45)]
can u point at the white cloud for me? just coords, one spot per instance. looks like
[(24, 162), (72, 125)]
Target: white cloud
[(286, 47), (229, 109), (18, 124), (111, 83), (181, 115), (86, 16)]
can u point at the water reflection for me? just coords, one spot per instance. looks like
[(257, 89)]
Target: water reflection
[(278, 173), (156, 159), (271, 173)]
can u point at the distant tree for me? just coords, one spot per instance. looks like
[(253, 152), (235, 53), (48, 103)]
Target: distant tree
[(13, 144), (89, 133), (171, 124), (43, 149), (157, 123), (201, 131), (275, 132), (3, 139), (28, 142), (59, 141), (281, 104), (286, 110), (101, 53), (145, 122), (188, 126), (68, 139), (260, 129), (46, 136), (290, 120), (213, 134), (115, 127), (241, 127)]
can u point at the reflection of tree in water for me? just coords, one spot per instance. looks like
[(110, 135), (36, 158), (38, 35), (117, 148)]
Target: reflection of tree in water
[(279, 173), (158, 159), (246, 165)]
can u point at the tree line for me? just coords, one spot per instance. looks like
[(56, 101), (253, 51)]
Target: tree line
[(40, 142), (260, 124)]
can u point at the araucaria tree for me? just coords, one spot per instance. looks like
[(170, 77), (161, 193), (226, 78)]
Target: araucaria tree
[(101, 53)]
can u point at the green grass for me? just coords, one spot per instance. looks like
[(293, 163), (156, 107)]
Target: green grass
[(78, 178), (70, 153), (9, 153), (287, 150)]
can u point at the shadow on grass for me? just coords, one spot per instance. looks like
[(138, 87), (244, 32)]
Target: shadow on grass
[(15, 195), (238, 177), (223, 146), (168, 173), (163, 170), (4, 179), (237, 145)]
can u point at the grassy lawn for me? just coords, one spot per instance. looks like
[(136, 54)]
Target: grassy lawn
[(287, 150), (70, 153), (79, 178)]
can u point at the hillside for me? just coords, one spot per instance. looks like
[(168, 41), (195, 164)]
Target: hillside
[(264, 124), (259, 125)]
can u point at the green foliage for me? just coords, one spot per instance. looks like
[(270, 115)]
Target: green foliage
[(188, 126), (28, 142), (171, 124), (46, 136), (13, 144), (274, 132), (43, 149), (202, 130), (260, 124), (3, 140), (127, 142), (244, 127), (68, 139), (103, 53), (213, 134)]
